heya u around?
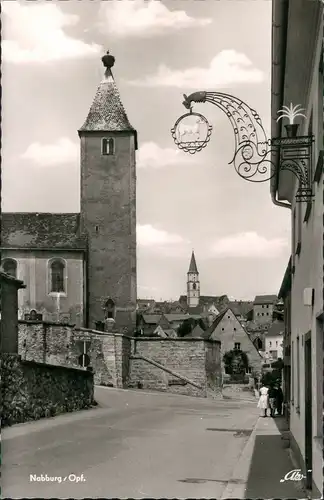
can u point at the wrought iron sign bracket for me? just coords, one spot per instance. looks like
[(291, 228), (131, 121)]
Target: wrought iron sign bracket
[(256, 158), (295, 155)]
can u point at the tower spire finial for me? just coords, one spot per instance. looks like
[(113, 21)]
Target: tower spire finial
[(108, 60)]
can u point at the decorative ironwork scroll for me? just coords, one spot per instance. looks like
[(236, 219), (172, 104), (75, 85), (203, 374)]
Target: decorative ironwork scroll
[(252, 158)]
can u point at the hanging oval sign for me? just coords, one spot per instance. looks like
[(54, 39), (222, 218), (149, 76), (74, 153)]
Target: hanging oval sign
[(191, 132)]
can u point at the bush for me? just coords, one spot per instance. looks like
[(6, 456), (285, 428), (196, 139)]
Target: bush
[(236, 362), (270, 378)]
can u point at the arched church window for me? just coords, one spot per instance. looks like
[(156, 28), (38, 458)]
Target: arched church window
[(110, 309), (10, 267), (108, 146), (194, 286), (57, 276)]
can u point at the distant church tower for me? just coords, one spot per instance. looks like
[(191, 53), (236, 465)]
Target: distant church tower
[(193, 284), (108, 206)]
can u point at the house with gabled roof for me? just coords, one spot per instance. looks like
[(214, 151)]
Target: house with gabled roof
[(165, 332), (197, 332), (147, 323), (232, 334), (263, 307), (175, 320), (143, 305)]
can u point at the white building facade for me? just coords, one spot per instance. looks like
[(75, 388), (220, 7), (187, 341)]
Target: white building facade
[(297, 78), (273, 348)]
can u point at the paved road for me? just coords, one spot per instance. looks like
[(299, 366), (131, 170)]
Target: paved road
[(133, 445)]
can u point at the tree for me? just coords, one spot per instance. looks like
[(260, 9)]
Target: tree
[(188, 325), (236, 362), (277, 365), (273, 376)]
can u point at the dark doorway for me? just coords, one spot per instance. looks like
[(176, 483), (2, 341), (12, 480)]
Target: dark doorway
[(308, 412)]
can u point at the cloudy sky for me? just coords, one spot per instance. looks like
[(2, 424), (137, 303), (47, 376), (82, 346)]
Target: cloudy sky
[(51, 69)]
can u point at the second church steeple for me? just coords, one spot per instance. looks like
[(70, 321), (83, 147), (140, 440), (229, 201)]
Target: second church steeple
[(193, 284)]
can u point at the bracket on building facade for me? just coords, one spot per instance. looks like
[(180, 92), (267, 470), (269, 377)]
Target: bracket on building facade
[(295, 155), (256, 158)]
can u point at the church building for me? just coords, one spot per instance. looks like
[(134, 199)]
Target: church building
[(80, 268)]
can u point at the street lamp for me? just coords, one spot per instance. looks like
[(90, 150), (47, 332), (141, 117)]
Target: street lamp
[(255, 154)]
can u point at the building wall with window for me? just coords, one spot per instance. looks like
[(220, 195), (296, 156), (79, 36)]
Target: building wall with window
[(263, 307), (263, 313), (298, 78), (54, 284), (273, 348), (232, 335)]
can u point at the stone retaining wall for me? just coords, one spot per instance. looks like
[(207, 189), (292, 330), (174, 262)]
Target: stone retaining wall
[(196, 360), (58, 344), (31, 390), (47, 342), (113, 362)]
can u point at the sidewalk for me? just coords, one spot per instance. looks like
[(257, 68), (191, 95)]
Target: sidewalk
[(263, 464)]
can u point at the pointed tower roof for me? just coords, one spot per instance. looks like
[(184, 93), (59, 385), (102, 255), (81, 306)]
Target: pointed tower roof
[(193, 265), (107, 113)]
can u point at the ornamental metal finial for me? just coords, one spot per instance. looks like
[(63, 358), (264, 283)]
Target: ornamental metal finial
[(291, 113), (108, 60)]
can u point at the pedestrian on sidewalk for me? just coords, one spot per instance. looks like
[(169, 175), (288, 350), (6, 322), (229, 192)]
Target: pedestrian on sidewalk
[(279, 400), (272, 399), (263, 402)]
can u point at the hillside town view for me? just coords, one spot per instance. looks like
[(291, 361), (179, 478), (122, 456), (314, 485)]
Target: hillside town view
[(162, 306)]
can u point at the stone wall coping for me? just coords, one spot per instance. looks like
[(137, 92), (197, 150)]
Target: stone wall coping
[(177, 339), (102, 334), (45, 323), (54, 367)]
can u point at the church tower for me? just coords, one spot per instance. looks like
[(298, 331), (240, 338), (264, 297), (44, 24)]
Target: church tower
[(193, 284), (108, 206)]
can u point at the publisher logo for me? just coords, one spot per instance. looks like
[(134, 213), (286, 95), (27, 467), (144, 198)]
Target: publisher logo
[(294, 475)]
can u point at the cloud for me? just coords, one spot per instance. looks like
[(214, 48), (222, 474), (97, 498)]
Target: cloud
[(147, 288), (151, 155), (131, 18), (227, 68), (34, 34), (249, 245), (49, 155), (149, 236)]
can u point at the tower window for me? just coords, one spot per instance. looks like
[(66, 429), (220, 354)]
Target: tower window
[(237, 346), (57, 276), (108, 146), (194, 286), (110, 309), (10, 267)]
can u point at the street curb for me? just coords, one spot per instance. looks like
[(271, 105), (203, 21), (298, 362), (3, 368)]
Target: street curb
[(241, 469), (161, 393)]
